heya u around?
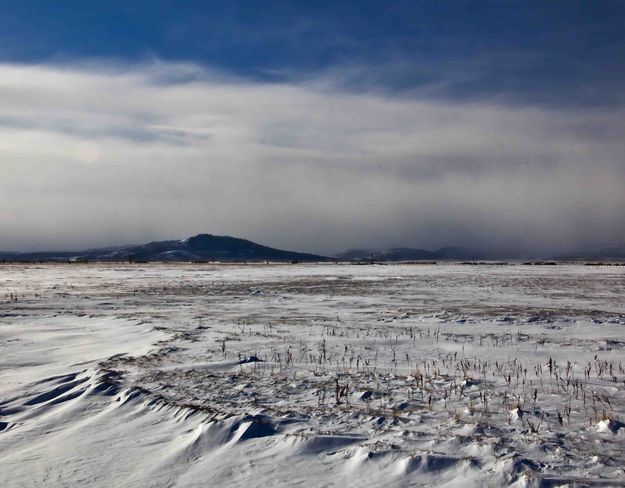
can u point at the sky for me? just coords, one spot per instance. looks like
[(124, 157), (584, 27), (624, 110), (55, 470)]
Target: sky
[(313, 126)]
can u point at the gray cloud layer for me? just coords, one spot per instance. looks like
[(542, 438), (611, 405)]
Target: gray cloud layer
[(93, 155)]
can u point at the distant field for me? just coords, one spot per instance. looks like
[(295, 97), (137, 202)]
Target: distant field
[(314, 374)]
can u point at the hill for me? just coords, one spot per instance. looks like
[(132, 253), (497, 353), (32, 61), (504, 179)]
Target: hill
[(202, 247)]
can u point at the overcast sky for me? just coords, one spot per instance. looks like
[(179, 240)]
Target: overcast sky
[(347, 124)]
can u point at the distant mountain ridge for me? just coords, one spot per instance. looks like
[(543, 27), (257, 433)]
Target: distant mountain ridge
[(616, 251), (202, 247), (409, 254), (613, 252)]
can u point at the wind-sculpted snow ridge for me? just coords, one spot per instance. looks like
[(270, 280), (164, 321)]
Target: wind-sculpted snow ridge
[(323, 375)]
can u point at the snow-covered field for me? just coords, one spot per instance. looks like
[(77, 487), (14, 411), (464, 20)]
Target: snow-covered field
[(311, 375)]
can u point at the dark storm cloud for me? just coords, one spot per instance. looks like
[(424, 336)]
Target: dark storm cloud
[(560, 53)]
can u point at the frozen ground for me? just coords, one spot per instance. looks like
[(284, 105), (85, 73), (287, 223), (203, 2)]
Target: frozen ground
[(312, 375)]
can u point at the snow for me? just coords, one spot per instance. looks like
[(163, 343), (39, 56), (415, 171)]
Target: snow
[(313, 374)]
